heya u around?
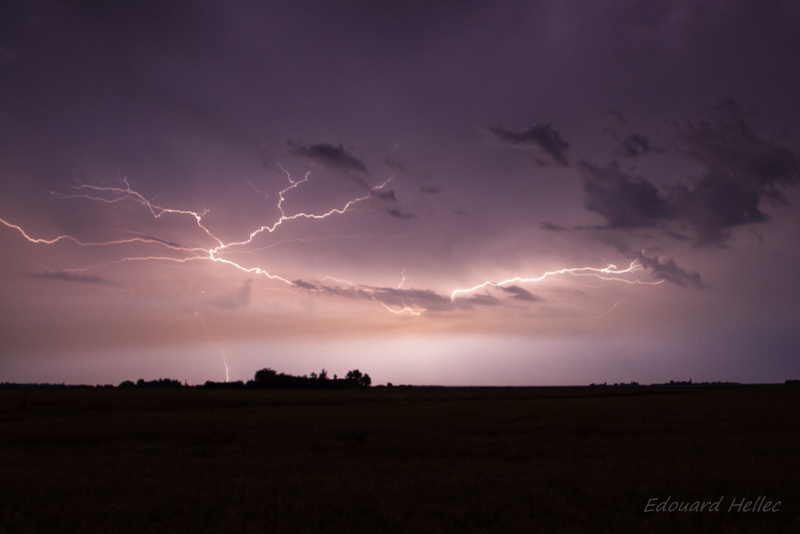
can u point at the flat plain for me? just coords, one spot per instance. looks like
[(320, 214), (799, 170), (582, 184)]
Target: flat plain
[(572, 459)]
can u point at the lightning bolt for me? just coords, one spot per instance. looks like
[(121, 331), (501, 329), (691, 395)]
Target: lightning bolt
[(609, 273), (416, 312), (402, 278), (218, 345)]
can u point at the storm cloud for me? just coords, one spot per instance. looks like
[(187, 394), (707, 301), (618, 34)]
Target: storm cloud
[(714, 205), (541, 136), (520, 293), (330, 156), (742, 170), (669, 271), (726, 142), (623, 200)]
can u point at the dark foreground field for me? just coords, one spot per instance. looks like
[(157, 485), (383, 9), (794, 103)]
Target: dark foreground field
[(394, 460)]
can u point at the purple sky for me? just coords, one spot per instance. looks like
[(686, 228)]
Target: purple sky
[(198, 190)]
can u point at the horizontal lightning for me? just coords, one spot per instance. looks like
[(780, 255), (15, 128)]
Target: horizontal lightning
[(416, 312), (609, 273), (219, 251)]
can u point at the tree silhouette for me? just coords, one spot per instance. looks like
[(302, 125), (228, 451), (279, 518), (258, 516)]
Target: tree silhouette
[(265, 375), (359, 378)]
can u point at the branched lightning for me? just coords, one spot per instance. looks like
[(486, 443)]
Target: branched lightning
[(116, 195), (397, 300)]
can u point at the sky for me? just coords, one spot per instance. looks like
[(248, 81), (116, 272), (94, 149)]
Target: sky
[(499, 193)]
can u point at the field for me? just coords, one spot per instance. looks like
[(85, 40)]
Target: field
[(398, 459)]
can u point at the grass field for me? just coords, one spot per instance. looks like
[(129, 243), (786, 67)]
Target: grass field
[(397, 459)]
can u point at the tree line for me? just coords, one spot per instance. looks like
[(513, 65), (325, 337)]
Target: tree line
[(268, 378)]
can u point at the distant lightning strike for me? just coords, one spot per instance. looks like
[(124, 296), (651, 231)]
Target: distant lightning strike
[(402, 279), (219, 346), (605, 273)]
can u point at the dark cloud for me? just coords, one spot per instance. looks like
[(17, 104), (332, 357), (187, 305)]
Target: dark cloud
[(390, 198), (714, 205), (541, 135), (331, 156), (163, 241), (239, 298), (302, 284), (623, 200), (400, 214), (668, 270), (385, 195), (484, 299), (632, 145), (72, 277), (726, 143), (520, 293), (742, 169), (552, 227)]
